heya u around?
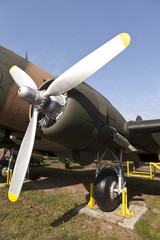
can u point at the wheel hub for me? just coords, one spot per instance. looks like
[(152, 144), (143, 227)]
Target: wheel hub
[(113, 192), (4, 171)]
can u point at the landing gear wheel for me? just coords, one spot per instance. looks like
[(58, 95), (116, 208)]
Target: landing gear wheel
[(105, 196), (3, 170)]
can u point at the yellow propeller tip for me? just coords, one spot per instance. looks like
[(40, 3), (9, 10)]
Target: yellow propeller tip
[(126, 39), (12, 197), (12, 68)]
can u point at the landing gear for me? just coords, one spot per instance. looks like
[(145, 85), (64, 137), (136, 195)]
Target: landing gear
[(3, 170), (105, 193), (109, 183), (5, 164)]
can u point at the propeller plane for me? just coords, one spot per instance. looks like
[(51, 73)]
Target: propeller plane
[(70, 118)]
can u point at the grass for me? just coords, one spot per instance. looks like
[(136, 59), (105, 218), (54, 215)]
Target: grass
[(47, 215), (149, 226), (52, 214), (147, 231), (40, 215)]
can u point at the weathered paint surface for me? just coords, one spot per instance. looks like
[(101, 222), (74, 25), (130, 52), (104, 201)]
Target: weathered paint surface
[(14, 112)]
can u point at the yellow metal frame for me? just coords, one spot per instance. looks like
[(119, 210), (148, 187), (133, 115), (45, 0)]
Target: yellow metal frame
[(92, 203), (143, 174), (9, 176), (124, 211)]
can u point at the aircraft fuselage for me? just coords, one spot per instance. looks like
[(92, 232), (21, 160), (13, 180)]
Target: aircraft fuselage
[(87, 123)]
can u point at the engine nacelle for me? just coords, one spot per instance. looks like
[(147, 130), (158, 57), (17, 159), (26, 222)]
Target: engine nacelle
[(83, 157), (78, 124), (83, 126)]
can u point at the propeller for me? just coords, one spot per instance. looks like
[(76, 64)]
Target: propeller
[(24, 153), (88, 65), (29, 92), (22, 79)]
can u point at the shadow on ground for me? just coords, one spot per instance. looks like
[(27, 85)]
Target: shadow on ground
[(44, 178)]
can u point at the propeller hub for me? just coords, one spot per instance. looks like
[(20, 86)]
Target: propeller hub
[(54, 106), (27, 94), (32, 96), (52, 111)]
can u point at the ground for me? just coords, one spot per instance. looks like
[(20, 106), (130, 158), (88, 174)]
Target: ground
[(47, 206)]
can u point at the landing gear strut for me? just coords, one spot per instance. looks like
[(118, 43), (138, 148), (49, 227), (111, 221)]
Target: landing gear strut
[(109, 183), (5, 164)]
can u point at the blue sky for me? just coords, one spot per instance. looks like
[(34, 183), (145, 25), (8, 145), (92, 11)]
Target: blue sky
[(58, 33)]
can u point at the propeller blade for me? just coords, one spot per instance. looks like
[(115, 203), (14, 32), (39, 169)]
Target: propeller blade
[(21, 78), (88, 65), (23, 158)]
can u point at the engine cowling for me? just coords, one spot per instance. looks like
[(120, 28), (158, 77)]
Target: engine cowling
[(76, 127)]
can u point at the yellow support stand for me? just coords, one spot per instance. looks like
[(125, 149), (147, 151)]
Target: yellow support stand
[(124, 211), (92, 203), (9, 176), (143, 174)]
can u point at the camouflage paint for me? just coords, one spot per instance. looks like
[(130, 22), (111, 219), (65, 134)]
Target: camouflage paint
[(7, 58), (14, 112)]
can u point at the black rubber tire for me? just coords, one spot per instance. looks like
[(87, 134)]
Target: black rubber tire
[(3, 168), (104, 196)]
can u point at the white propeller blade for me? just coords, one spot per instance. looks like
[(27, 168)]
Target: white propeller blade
[(23, 158), (21, 78), (88, 65)]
